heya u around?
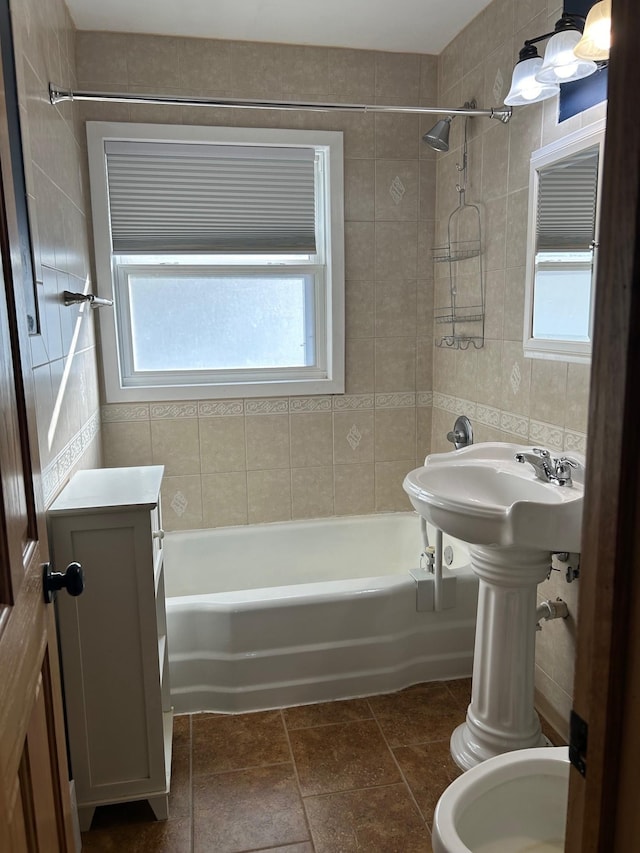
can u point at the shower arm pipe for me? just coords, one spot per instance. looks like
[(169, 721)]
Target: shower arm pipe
[(58, 95)]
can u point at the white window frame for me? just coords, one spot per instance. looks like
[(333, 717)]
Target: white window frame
[(327, 267)]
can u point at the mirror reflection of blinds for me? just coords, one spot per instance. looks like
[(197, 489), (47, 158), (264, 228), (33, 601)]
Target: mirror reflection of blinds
[(567, 203), (183, 198)]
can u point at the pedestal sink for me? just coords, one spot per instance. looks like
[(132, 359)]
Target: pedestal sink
[(512, 521)]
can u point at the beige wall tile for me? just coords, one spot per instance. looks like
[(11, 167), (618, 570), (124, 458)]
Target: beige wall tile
[(151, 60), (222, 444), (353, 437), (312, 492), (126, 444), (577, 411), (269, 495), (359, 309), (359, 239), (396, 252), (397, 185), (424, 419), (204, 65), (395, 434), (548, 390), (224, 499), (424, 364), (395, 308), (359, 190), (101, 57), (351, 75), (181, 502), (175, 444), (397, 77), (359, 371), (311, 439), (390, 496), (516, 379), (354, 489), (397, 136), (267, 441), (395, 364)]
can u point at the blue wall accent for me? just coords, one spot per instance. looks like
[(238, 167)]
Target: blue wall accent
[(579, 95)]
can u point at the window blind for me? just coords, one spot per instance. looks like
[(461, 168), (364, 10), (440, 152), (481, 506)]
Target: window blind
[(178, 198), (567, 203)]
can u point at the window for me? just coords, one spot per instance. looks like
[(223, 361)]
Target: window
[(223, 251)]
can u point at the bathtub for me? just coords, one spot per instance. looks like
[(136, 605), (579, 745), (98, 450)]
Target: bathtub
[(272, 615)]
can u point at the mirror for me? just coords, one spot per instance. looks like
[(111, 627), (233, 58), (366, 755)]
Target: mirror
[(562, 240)]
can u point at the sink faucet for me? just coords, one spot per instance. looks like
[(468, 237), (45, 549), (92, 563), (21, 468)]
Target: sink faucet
[(547, 468)]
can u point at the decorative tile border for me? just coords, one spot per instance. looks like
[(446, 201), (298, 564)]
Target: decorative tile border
[(220, 408), (159, 411), (424, 398), (57, 471), (309, 404), (126, 412), (353, 401), (530, 430), (269, 406), (547, 435), (406, 399)]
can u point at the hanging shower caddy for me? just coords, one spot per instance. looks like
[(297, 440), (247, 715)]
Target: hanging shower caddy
[(464, 313)]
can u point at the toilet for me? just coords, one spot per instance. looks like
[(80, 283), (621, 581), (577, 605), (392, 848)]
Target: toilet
[(513, 803)]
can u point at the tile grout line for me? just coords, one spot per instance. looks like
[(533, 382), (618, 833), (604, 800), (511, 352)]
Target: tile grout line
[(402, 776), (297, 778)]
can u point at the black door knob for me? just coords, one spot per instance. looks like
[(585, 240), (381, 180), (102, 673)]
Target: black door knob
[(72, 580)]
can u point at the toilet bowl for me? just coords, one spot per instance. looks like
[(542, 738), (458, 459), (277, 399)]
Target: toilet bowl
[(513, 803)]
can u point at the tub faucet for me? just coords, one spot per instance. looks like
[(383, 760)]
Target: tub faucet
[(547, 468)]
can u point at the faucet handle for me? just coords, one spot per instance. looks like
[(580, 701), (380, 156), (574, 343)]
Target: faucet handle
[(542, 452), (567, 460)]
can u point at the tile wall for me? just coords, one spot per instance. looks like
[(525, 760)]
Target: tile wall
[(240, 461), (506, 396), (64, 354)]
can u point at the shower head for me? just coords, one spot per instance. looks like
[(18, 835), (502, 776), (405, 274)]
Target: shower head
[(438, 136)]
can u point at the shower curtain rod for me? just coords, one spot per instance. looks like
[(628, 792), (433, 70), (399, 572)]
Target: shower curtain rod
[(58, 95)]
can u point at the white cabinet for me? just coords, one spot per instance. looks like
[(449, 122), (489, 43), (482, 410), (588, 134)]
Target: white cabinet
[(113, 637)]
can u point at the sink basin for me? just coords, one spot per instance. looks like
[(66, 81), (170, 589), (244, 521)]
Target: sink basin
[(481, 495)]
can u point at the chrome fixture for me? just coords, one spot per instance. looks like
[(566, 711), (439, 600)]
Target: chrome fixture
[(438, 136), (569, 55), (70, 298), (462, 434), (57, 95), (557, 471)]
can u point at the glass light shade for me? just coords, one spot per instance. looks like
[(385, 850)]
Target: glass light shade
[(596, 39), (561, 65), (525, 87)]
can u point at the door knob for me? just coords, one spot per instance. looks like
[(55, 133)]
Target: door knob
[(72, 580)]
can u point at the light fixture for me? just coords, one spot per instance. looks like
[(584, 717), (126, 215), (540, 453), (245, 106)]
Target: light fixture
[(596, 39), (534, 79), (561, 65), (525, 87)]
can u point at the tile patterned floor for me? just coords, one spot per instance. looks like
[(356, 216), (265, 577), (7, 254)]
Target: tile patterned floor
[(358, 775)]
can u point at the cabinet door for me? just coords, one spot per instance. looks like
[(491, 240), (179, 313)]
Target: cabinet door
[(110, 656)]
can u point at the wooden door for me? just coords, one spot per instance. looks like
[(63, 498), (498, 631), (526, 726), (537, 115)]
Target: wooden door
[(603, 804), (35, 812)]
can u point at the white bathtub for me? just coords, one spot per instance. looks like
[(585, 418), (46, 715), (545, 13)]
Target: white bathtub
[(272, 615)]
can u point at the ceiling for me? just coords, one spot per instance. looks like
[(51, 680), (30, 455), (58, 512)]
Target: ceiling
[(415, 26)]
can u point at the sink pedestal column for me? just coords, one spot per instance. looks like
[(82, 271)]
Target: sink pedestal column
[(501, 716)]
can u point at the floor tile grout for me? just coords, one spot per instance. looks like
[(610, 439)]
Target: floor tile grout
[(297, 778)]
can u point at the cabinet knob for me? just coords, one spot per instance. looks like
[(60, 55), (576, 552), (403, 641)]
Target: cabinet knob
[(72, 580)]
